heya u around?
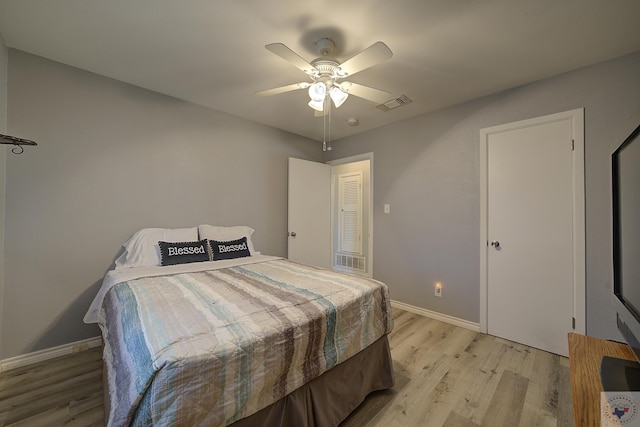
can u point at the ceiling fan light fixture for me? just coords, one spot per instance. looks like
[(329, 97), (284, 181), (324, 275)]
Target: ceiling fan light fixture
[(338, 96), (317, 92), (316, 105)]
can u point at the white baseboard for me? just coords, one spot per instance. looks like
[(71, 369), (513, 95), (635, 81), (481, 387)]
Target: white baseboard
[(49, 353), (437, 316)]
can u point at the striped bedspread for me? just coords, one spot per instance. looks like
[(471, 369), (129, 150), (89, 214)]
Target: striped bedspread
[(211, 347)]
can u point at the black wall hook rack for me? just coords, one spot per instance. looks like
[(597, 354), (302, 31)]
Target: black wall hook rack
[(18, 142)]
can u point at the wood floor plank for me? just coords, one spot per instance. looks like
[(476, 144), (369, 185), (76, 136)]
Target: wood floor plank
[(420, 396), (53, 397), (444, 396), (456, 420), (482, 371), (562, 380), (87, 403), (91, 417), (542, 396), (65, 367), (51, 417), (51, 385), (507, 402)]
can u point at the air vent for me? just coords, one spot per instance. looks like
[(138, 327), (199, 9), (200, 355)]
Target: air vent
[(350, 262), (394, 103)]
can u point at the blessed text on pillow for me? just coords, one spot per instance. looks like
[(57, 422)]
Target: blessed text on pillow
[(227, 234), (229, 250), (183, 252), (142, 250)]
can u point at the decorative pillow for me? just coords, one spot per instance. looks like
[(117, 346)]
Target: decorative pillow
[(173, 253), (142, 250), (226, 234), (229, 250)]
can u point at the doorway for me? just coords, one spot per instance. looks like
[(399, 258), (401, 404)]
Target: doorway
[(314, 214), (532, 230), (352, 224)]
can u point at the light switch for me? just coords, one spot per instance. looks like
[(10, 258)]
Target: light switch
[(387, 208)]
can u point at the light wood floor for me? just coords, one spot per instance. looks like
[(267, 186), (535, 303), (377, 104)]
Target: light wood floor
[(445, 376)]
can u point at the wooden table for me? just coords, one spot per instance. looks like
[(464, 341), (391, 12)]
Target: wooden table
[(585, 354)]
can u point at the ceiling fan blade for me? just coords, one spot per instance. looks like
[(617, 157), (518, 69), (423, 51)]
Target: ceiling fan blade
[(283, 89), (291, 57), (369, 57), (375, 95), (322, 113)]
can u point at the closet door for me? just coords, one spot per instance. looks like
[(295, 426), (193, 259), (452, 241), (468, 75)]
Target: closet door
[(533, 228)]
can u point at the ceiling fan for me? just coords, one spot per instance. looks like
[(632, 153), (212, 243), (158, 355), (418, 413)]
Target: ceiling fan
[(325, 73)]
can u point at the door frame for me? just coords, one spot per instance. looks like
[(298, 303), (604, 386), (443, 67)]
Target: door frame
[(579, 255), (354, 159)]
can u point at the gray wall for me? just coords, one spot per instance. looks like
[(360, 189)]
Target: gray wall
[(4, 61), (427, 168), (111, 159)]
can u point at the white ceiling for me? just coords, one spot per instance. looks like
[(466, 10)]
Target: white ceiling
[(211, 52)]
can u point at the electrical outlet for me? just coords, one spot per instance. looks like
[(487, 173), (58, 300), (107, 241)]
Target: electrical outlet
[(438, 289)]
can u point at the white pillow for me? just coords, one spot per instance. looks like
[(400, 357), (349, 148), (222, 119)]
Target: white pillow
[(142, 250), (226, 234)]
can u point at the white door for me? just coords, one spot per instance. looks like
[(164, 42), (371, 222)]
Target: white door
[(530, 245), (309, 214)]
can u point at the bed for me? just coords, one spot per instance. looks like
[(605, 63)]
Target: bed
[(243, 341)]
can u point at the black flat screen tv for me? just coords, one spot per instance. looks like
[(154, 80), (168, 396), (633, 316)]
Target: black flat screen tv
[(617, 374)]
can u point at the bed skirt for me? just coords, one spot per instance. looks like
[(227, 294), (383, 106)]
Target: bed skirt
[(328, 399)]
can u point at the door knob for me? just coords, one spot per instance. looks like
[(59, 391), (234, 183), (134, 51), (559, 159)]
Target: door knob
[(292, 234), (495, 244)]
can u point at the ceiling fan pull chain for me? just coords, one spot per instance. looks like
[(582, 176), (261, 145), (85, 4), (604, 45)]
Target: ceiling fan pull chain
[(329, 144), (324, 130)]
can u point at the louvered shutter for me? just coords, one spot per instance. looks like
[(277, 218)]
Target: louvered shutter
[(350, 227)]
